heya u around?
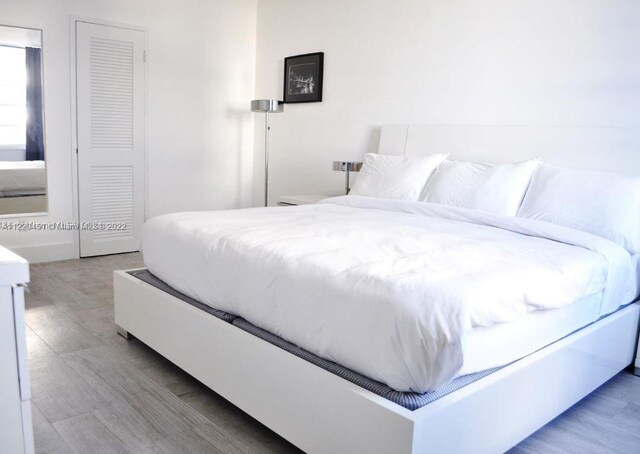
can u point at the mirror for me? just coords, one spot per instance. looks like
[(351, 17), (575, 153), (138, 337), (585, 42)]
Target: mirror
[(23, 180)]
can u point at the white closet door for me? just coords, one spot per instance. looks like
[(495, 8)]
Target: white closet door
[(110, 126)]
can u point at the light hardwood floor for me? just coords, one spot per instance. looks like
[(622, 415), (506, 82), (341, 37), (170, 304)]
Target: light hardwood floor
[(94, 392)]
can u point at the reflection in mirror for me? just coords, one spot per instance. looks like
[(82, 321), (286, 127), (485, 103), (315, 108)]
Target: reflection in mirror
[(23, 182)]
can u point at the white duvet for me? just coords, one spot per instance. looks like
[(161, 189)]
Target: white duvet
[(386, 288), (22, 175)]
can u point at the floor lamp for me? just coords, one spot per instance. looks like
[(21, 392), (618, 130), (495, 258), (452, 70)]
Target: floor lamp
[(266, 106)]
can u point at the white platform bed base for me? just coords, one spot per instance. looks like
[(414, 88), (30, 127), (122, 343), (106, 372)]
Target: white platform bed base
[(322, 413)]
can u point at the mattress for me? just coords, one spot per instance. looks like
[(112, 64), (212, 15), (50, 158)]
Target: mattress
[(497, 345), (407, 294), (529, 334), (503, 343), (23, 192), (22, 178)]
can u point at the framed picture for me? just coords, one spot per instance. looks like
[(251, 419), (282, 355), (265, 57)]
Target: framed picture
[(303, 78)]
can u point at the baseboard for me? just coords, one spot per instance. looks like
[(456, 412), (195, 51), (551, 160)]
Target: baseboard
[(47, 252)]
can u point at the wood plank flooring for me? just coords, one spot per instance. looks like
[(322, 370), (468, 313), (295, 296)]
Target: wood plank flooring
[(96, 392)]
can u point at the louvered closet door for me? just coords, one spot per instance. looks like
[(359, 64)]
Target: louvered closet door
[(110, 125)]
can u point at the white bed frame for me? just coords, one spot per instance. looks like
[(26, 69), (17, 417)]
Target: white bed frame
[(322, 413)]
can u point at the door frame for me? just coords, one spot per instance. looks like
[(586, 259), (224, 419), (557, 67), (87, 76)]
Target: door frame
[(75, 190)]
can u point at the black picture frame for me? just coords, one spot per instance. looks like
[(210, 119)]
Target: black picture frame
[(303, 76)]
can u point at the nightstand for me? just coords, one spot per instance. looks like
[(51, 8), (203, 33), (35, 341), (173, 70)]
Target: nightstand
[(293, 200)]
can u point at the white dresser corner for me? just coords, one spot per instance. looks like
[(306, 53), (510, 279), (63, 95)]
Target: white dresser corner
[(16, 430)]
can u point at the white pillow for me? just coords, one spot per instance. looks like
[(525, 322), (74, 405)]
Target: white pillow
[(395, 177), (604, 204), (496, 188)]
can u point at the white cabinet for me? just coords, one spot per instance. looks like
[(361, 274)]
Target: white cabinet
[(16, 432)]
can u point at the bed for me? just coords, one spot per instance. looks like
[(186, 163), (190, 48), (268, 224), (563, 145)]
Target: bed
[(19, 178), (22, 187), (321, 278)]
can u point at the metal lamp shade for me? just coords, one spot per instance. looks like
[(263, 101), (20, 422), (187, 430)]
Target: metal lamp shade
[(347, 166), (267, 105)]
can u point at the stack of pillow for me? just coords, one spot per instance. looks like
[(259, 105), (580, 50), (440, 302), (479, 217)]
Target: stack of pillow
[(600, 203)]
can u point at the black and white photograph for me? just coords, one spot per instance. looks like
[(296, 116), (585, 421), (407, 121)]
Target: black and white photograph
[(303, 78)]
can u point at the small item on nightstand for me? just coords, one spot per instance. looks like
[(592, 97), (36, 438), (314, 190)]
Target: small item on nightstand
[(347, 166)]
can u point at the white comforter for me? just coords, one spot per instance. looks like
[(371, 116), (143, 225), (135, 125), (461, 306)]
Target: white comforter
[(22, 175), (385, 288)]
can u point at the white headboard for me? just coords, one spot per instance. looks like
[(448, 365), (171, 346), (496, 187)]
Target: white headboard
[(607, 149)]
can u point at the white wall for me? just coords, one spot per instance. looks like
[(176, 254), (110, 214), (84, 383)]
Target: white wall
[(526, 62), (200, 79)]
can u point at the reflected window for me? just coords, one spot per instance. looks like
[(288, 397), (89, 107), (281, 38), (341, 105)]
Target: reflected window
[(13, 95)]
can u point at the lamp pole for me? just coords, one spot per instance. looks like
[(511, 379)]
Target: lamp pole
[(267, 128)]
